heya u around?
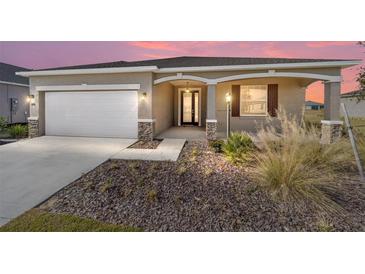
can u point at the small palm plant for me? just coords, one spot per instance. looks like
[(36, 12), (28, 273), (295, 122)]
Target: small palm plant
[(238, 147)]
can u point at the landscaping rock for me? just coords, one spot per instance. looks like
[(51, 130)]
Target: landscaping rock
[(202, 191)]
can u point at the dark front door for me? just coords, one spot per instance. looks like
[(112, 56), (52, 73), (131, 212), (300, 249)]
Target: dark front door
[(190, 108)]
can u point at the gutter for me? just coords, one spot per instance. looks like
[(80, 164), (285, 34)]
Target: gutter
[(14, 84)]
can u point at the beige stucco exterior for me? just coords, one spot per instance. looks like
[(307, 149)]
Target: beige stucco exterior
[(291, 97), (144, 79), (163, 106), (161, 101)]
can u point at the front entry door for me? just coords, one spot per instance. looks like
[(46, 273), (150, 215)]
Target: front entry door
[(190, 108)]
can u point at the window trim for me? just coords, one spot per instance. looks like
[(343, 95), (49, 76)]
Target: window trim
[(255, 114)]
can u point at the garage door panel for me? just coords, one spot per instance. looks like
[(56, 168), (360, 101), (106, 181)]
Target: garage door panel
[(92, 114)]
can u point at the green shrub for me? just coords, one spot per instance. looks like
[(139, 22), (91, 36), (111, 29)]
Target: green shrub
[(238, 147), (105, 186), (217, 145), (18, 131), (3, 123), (293, 166), (152, 195)]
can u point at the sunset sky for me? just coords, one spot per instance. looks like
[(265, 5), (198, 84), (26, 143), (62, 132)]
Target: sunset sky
[(37, 55)]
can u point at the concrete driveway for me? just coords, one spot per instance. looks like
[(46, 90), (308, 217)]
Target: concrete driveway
[(32, 170)]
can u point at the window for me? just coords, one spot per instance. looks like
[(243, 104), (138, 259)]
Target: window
[(253, 100)]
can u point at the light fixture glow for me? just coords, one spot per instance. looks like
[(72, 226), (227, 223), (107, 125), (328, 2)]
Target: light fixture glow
[(187, 87), (30, 99), (144, 96), (228, 97)]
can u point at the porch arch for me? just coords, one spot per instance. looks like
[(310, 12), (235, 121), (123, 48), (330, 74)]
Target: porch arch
[(182, 77), (279, 74)]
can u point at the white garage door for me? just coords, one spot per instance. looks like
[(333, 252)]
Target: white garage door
[(92, 114)]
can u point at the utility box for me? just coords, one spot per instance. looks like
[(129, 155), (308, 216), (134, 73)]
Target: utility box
[(14, 104)]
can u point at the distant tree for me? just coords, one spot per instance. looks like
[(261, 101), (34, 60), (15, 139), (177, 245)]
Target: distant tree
[(361, 79)]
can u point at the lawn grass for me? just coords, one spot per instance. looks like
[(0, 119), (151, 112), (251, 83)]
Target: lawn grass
[(36, 220), (315, 117)]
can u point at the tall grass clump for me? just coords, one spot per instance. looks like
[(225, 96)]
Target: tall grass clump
[(294, 167), (18, 131), (238, 146)]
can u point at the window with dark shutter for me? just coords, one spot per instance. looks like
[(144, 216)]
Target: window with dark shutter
[(272, 99), (235, 100)]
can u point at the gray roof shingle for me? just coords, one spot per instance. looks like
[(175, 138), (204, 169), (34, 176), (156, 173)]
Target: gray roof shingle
[(190, 61), (7, 74)]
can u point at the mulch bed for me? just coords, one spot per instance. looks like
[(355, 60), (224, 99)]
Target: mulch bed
[(146, 144), (200, 192)]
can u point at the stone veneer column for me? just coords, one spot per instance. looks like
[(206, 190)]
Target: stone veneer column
[(146, 129), (331, 125), (331, 131), (33, 127), (211, 123), (211, 130)]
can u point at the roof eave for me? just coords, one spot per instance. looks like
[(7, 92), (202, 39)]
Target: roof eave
[(87, 71), (326, 64)]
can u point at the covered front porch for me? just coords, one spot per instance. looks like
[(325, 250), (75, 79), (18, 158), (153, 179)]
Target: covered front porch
[(195, 107)]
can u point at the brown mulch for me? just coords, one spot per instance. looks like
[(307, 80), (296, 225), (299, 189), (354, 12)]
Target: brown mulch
[(146, 144), (200, 192)]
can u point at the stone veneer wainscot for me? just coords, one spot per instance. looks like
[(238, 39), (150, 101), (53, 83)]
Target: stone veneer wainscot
[(146, 130)]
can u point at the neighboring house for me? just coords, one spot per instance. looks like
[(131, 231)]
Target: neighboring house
[(355, 107), (14, 91), (144, 98), (311, 105)]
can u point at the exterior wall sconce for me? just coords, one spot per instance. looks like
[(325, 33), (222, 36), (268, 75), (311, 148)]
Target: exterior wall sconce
[(144, 96), (187, 87), (228, 101), (31, 99)]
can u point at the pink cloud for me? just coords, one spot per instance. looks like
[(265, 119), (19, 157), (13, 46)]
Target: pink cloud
[(45, 54), (155, 56), (328, 44), (154, 45), (272, 50)]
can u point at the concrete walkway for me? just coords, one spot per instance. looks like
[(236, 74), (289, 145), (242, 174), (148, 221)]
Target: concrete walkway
[(185, 132), (189, 133), (167, 150), (32, 170)]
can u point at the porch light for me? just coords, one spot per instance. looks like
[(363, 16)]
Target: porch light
[(228, 97), (228, 101), (144, 96), (187, 87), (30, 99)]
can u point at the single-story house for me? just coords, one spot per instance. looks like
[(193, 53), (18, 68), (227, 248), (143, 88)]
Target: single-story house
[(354, 103), (14, 91), (311, 105), (142, 99)]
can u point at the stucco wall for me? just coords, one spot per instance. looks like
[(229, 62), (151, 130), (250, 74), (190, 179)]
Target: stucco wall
[(163, 106), (355, 108), (291, 96), (144, 79), (11, 91)]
